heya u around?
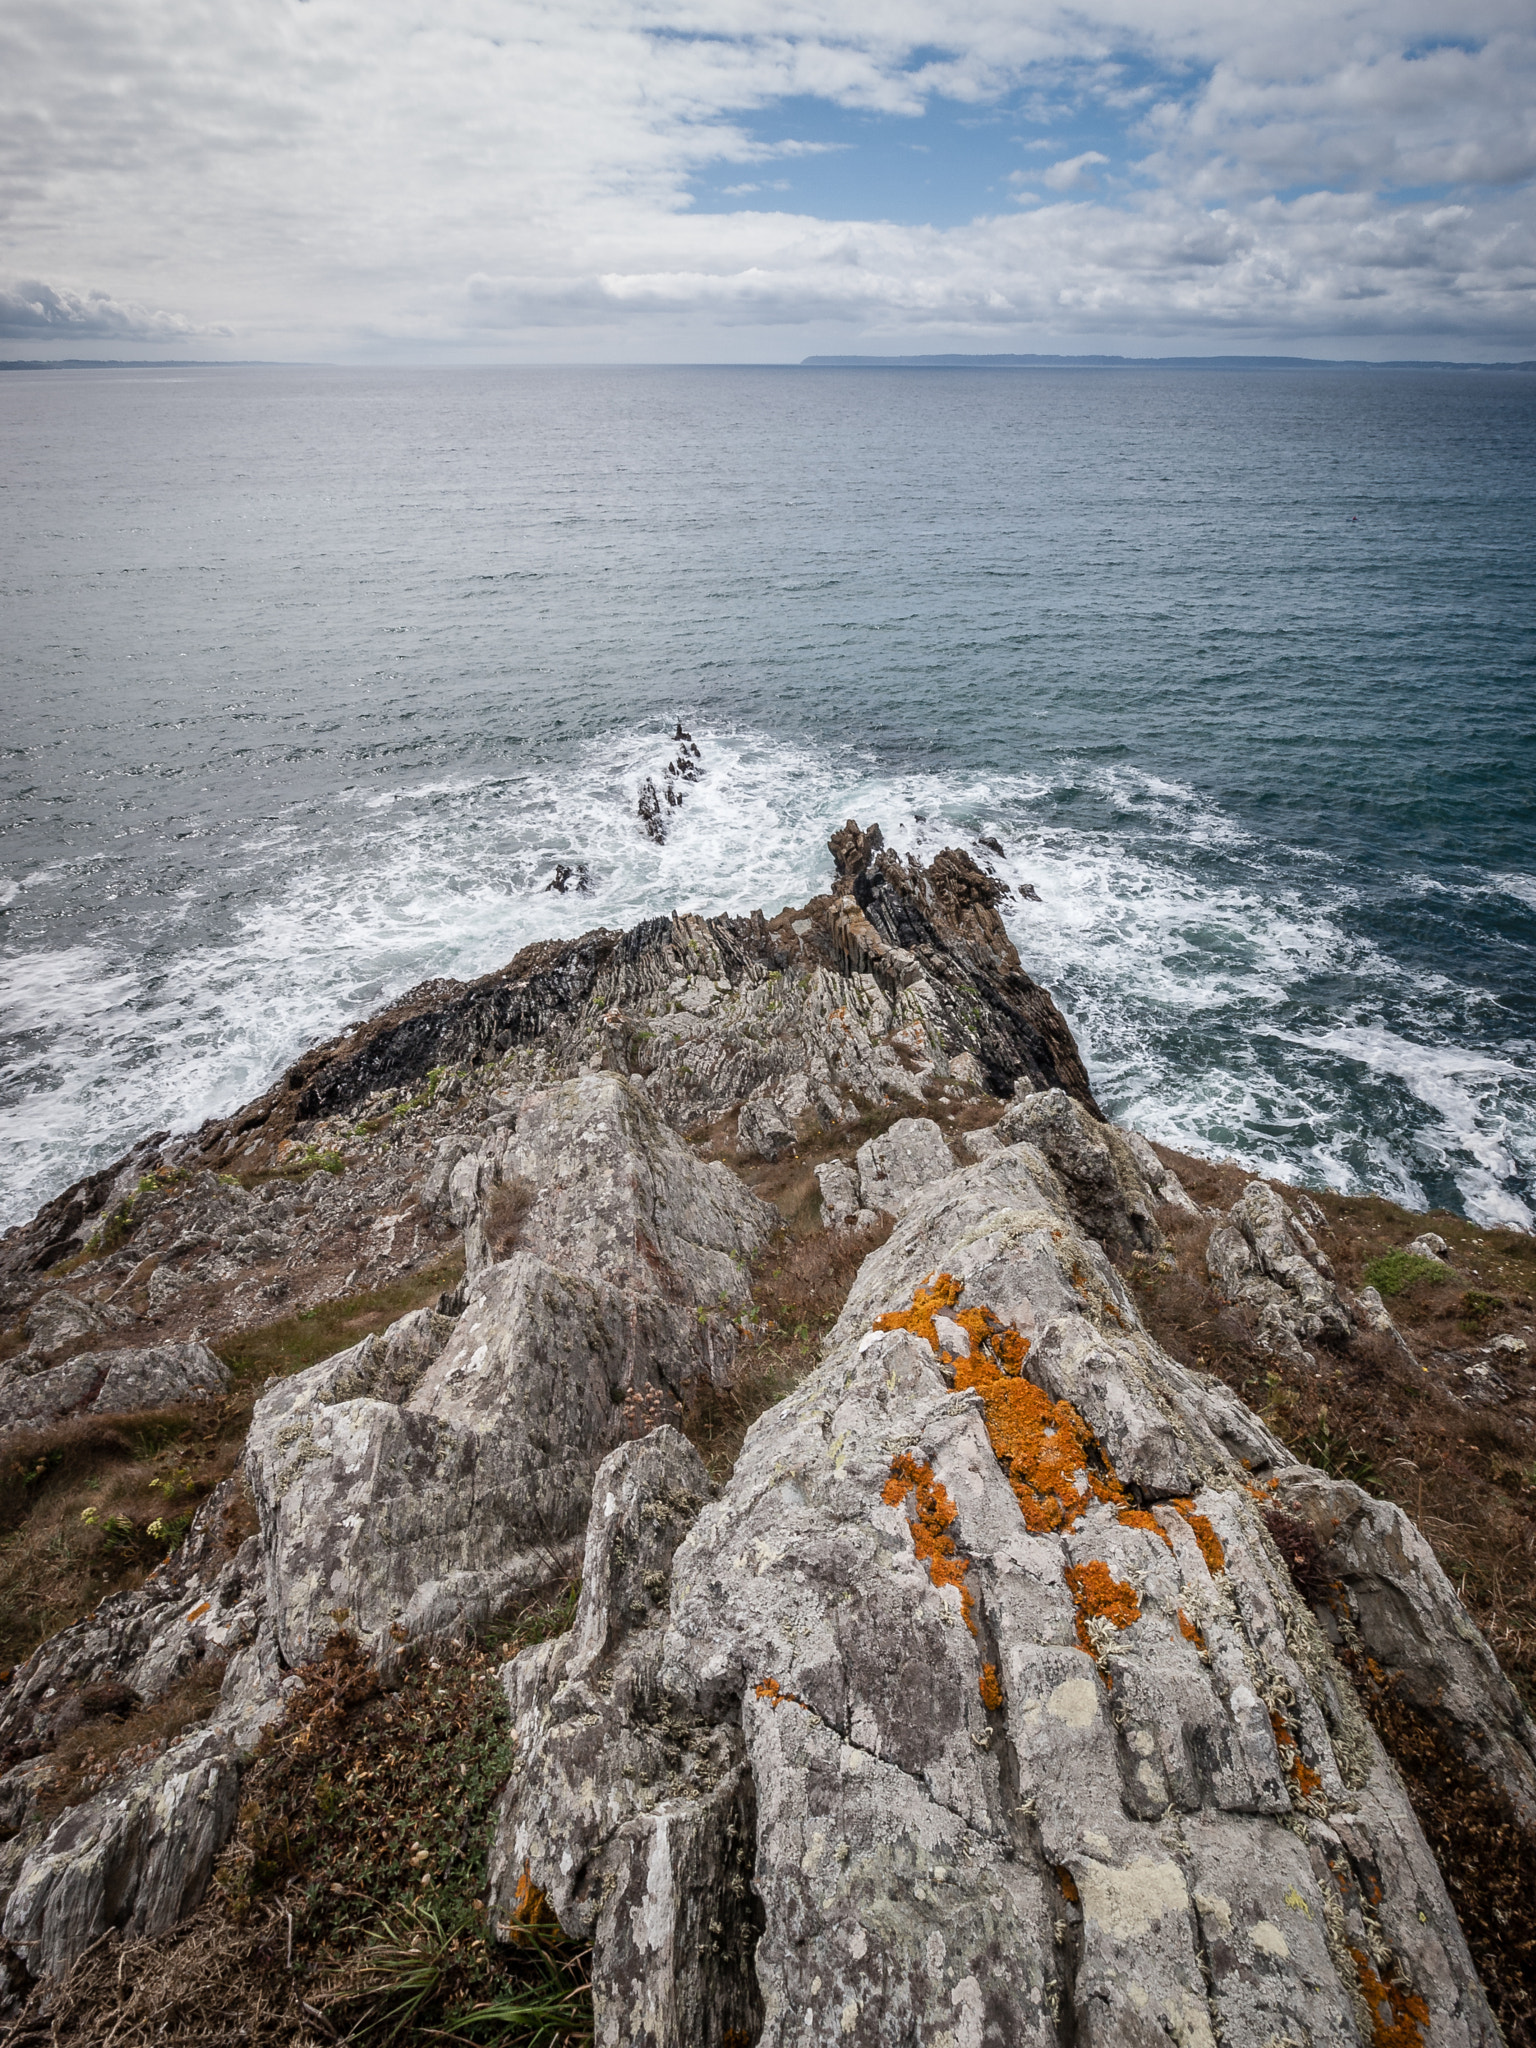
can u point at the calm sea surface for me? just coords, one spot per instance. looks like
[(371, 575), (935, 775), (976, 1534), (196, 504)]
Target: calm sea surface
[(309, 677)]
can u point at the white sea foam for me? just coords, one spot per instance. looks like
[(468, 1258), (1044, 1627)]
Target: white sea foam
[(1224, 1000)]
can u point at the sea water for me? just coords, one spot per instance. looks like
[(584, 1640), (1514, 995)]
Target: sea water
[(309, 678)]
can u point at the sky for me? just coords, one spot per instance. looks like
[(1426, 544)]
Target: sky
[(758, 180)]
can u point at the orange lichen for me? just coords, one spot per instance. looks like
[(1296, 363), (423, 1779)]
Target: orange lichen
[(1068, 1884), (770, 1690), (929, 1518), (1191, 1631), (1398, 2016), (1099, 1596), (1055, 1464), (1203, 1533), (1308, 1784), (991, 1689), (530, 1906), (1138, 1518)]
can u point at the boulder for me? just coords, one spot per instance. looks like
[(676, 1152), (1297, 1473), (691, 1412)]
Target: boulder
[(418, 1484), (111, 1383), (1099, 1169), (1039, 1742), (903, 1159), (841, 1207), (1264, 1257), (763, 1128)]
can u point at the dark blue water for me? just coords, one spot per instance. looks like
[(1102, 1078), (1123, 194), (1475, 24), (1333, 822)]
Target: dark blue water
[(309, 677)]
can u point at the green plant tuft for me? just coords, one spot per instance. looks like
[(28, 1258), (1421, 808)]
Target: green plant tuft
[(1397, 1271)]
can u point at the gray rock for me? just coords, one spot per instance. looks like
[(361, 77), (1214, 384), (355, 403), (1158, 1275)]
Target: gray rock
[(1391, 1599), (612, 1191), (1430, 1245), (977, 1144), (1098, 1169), (1265, 1257), (763, 1128), (628, 1813), (1162, 1180), (934, 1739), (163, 1376), (418, 1484), (58, 1320), (111, 1383), (138, 1854), (841, 1208), (903, 1159)]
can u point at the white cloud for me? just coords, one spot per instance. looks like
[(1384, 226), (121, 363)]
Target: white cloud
[(514, 175), (1073, 172)]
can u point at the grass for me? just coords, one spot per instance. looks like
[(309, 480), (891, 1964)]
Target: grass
[(1399, 1270), (348, 1905), (87, 1506)]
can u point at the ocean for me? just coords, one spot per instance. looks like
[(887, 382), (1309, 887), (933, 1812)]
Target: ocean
[(310, 677)]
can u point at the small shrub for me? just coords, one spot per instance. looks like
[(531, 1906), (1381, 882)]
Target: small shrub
[(1396, 1271), (1476, 1307)]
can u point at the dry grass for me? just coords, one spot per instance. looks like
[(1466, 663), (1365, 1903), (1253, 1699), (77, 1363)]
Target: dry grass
[(132, 1475), (349, 1904), (1406, 1430)]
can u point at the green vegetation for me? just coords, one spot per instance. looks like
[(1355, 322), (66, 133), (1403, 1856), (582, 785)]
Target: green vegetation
[(313, 1334), (1397, 1271)]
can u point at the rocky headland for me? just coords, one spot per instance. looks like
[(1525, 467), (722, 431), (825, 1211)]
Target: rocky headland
[(700, 1480)]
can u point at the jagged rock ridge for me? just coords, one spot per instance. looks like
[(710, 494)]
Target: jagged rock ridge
[(977, 1706)]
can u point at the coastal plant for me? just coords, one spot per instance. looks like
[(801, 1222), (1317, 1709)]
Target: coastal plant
[(1398, 1270)]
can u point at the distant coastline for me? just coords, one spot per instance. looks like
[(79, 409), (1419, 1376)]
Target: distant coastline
[(132, 363), (1042, 362)]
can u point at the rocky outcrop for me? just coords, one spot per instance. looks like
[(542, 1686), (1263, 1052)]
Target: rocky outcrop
[(1100, 1168), (138, 1853), (125, 1382), (1265, 1258), (636, 1813), (417, 1484), (1041, 1741), (894, 1166)]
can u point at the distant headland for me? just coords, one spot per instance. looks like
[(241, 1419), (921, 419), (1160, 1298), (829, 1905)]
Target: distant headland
[(1044, 362)]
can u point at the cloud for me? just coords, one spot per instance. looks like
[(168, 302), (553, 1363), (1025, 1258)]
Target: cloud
[(321, 176), (32, 311), (1073, 172)]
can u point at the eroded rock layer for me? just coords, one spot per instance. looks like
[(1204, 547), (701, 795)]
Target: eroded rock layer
[(1042, 1743)]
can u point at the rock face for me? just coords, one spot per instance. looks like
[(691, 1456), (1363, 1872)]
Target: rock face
[(894, 1166), (123, 1382), (1042, 1743), (138, 1854), (417, 1484), (1264, 1256)]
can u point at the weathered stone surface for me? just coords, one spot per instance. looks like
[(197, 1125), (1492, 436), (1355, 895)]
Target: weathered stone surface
[(138, 1854), (1099, 1170), (418, 1484), (1162, 1180), (764, 1129), (841, 1207), (629, 1813), (1265, 1257), (110, 1383), (901, 1160), (599, 1185), (1388, 1597), (1043, 1743)]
